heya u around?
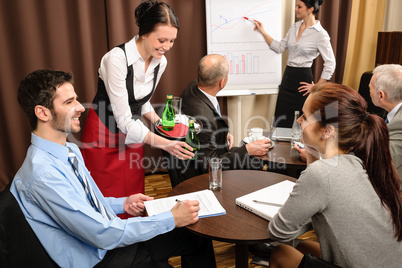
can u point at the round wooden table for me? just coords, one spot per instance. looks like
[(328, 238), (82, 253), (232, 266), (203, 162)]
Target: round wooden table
[(282, 158), (238, 226)]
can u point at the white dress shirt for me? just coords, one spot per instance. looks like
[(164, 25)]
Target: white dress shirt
[(313, 41), (113, 72)]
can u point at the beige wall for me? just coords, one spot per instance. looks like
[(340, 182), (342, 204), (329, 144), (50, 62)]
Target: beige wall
[(393, 18), (246, 112)]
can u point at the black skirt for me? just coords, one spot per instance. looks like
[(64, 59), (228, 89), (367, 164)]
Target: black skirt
[(289, 98)]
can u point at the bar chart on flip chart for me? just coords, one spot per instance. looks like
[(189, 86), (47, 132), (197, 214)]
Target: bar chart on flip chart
[(253, 67)]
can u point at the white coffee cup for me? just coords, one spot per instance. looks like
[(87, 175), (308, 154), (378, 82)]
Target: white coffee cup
[(256, 133)]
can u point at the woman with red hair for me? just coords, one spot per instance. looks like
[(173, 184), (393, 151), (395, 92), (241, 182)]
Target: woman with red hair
[(351, 195)]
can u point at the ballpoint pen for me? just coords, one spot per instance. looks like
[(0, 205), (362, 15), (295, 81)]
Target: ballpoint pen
[(179, 201), (268, 203)]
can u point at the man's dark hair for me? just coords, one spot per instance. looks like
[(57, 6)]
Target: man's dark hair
[(38, 88)]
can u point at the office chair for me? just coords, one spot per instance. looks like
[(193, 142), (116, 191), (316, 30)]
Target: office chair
[(364, 91), (19, 246)]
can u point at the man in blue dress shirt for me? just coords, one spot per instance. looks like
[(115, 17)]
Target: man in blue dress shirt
[(75, 223)]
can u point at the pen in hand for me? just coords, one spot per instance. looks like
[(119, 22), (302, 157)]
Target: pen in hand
[(179, 201), (268, 203), (250, 20)]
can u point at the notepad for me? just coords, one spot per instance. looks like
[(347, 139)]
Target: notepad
[(276, 194), (209, 205)]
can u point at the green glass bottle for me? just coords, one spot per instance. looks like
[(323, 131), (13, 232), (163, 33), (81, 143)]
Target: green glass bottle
[(192, 139), (168, 115)]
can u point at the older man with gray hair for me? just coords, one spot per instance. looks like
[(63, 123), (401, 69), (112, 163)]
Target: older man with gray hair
[(386, 92)]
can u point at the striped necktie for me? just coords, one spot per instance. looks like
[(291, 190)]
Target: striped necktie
[(72, 158)]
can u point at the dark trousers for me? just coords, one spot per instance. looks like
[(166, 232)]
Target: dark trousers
[(195, 251)]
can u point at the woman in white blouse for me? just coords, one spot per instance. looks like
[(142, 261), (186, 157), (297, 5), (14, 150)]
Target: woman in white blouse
[(305, 40), (113, 135)]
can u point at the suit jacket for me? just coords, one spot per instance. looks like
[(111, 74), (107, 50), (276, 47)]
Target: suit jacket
[(395, 140), (213, 137)]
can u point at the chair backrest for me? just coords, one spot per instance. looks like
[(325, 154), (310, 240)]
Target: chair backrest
[(19, 246), (364, 91)]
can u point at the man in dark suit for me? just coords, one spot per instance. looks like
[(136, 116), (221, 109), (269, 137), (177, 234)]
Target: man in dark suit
[(386, 92), (199, 101)]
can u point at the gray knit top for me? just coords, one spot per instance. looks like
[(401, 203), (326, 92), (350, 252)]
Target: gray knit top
[(353, 228)]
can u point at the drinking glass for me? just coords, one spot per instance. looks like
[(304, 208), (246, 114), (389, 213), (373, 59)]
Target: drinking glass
[(176, 102), (215, 173)]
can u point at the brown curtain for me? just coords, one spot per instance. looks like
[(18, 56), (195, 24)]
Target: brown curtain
[(334, 16), (73, 35)]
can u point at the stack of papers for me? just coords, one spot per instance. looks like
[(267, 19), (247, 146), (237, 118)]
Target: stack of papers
[(267, 201), (209, 205)]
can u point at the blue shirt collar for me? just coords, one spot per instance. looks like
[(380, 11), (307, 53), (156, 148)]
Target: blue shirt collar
[(55, 149), (392, 113)]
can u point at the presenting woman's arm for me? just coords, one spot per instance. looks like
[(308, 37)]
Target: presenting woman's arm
[(260, 27), (327, 54), (277, 47)]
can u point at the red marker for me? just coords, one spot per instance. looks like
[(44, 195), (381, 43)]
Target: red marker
[(250, 20)]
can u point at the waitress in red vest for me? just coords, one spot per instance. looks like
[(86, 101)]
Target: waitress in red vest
[(113, 135)]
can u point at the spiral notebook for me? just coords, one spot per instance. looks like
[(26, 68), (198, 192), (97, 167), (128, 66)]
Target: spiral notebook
[(269, 199)]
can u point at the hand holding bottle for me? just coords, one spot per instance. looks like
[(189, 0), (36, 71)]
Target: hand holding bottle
[(180, 150), (192, 139)]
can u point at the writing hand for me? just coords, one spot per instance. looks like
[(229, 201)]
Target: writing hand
[(186, 212), (259, 26)]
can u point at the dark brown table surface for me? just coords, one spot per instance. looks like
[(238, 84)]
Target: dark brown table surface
[(282, 158), (238, 226)]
